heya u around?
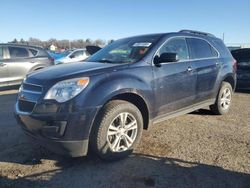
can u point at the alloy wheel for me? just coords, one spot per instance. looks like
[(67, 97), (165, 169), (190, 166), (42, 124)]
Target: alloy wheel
[(225, 99), (122, 132)]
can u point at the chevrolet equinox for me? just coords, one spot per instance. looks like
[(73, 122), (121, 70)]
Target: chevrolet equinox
[(105, 103)]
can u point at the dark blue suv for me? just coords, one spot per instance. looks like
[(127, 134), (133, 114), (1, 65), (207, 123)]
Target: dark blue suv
[(105, 102)]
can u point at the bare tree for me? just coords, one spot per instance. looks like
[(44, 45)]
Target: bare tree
[(62, 44)]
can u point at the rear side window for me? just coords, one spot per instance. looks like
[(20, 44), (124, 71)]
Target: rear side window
[(17, 52), (1, 52), (201, 49)]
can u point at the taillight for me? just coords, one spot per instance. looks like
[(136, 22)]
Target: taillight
[(235, 65)]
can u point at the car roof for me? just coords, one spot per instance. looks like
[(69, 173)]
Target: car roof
[(21, 45)]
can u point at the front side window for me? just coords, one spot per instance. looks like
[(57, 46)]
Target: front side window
[(129, 50), (176, 45), (200, 49), (17, 52)]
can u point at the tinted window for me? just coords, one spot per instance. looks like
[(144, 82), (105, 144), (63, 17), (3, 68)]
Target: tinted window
[(178, 46), (200, 49), (1, 52), (17, 52)]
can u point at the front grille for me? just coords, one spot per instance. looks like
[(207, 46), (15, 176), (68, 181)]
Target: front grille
[(32, 88), (26, 106)]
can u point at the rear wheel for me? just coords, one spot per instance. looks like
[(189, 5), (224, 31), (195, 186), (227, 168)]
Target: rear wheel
[(117, 130), (224, 99)]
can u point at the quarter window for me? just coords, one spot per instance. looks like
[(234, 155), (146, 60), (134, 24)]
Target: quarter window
[(33, 52), (16, 52), (200, 49), (176, 45)]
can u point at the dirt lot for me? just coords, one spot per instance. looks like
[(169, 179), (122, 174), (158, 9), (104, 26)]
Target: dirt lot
[(194, 150)]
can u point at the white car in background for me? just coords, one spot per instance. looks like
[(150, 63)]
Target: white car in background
[(74, 56)]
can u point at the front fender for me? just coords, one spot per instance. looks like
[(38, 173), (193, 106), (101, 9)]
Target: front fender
[(103, 89)]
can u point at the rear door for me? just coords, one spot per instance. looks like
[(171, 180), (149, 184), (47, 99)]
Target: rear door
[(19, 62), (3, 69), (205, 61)]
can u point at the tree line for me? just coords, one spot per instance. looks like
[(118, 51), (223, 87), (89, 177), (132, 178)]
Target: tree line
[(62, 44)]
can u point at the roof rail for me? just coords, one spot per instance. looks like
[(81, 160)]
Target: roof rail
[(197, 32)]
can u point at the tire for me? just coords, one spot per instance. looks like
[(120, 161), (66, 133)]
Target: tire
[(223, 100), (108, 137)]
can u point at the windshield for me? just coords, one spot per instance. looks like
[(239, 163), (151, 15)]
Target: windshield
[(127, 50)]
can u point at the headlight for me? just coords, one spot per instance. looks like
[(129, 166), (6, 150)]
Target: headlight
[(67, 89)]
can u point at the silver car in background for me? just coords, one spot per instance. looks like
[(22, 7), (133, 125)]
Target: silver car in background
[(16, 61)]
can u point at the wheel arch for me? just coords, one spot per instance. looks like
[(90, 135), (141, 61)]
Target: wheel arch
[(137, 100), (231, 80)]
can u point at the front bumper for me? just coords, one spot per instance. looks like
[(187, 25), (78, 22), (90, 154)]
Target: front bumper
[(63, 132)]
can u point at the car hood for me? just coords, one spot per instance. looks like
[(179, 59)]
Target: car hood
[(72, 70)]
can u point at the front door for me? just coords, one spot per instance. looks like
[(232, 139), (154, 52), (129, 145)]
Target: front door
[(175, 81)]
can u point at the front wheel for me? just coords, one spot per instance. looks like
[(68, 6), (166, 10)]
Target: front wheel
[(117, 130), (223, 100)]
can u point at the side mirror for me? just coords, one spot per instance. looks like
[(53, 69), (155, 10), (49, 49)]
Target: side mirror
[(165, 58), (72, 56)]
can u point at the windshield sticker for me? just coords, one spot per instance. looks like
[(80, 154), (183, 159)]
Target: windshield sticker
[(142, 44)]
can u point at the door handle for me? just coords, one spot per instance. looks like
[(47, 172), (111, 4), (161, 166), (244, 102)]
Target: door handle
[(189, 69)]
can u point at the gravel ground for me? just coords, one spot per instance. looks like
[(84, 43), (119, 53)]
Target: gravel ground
[(193, 150)]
